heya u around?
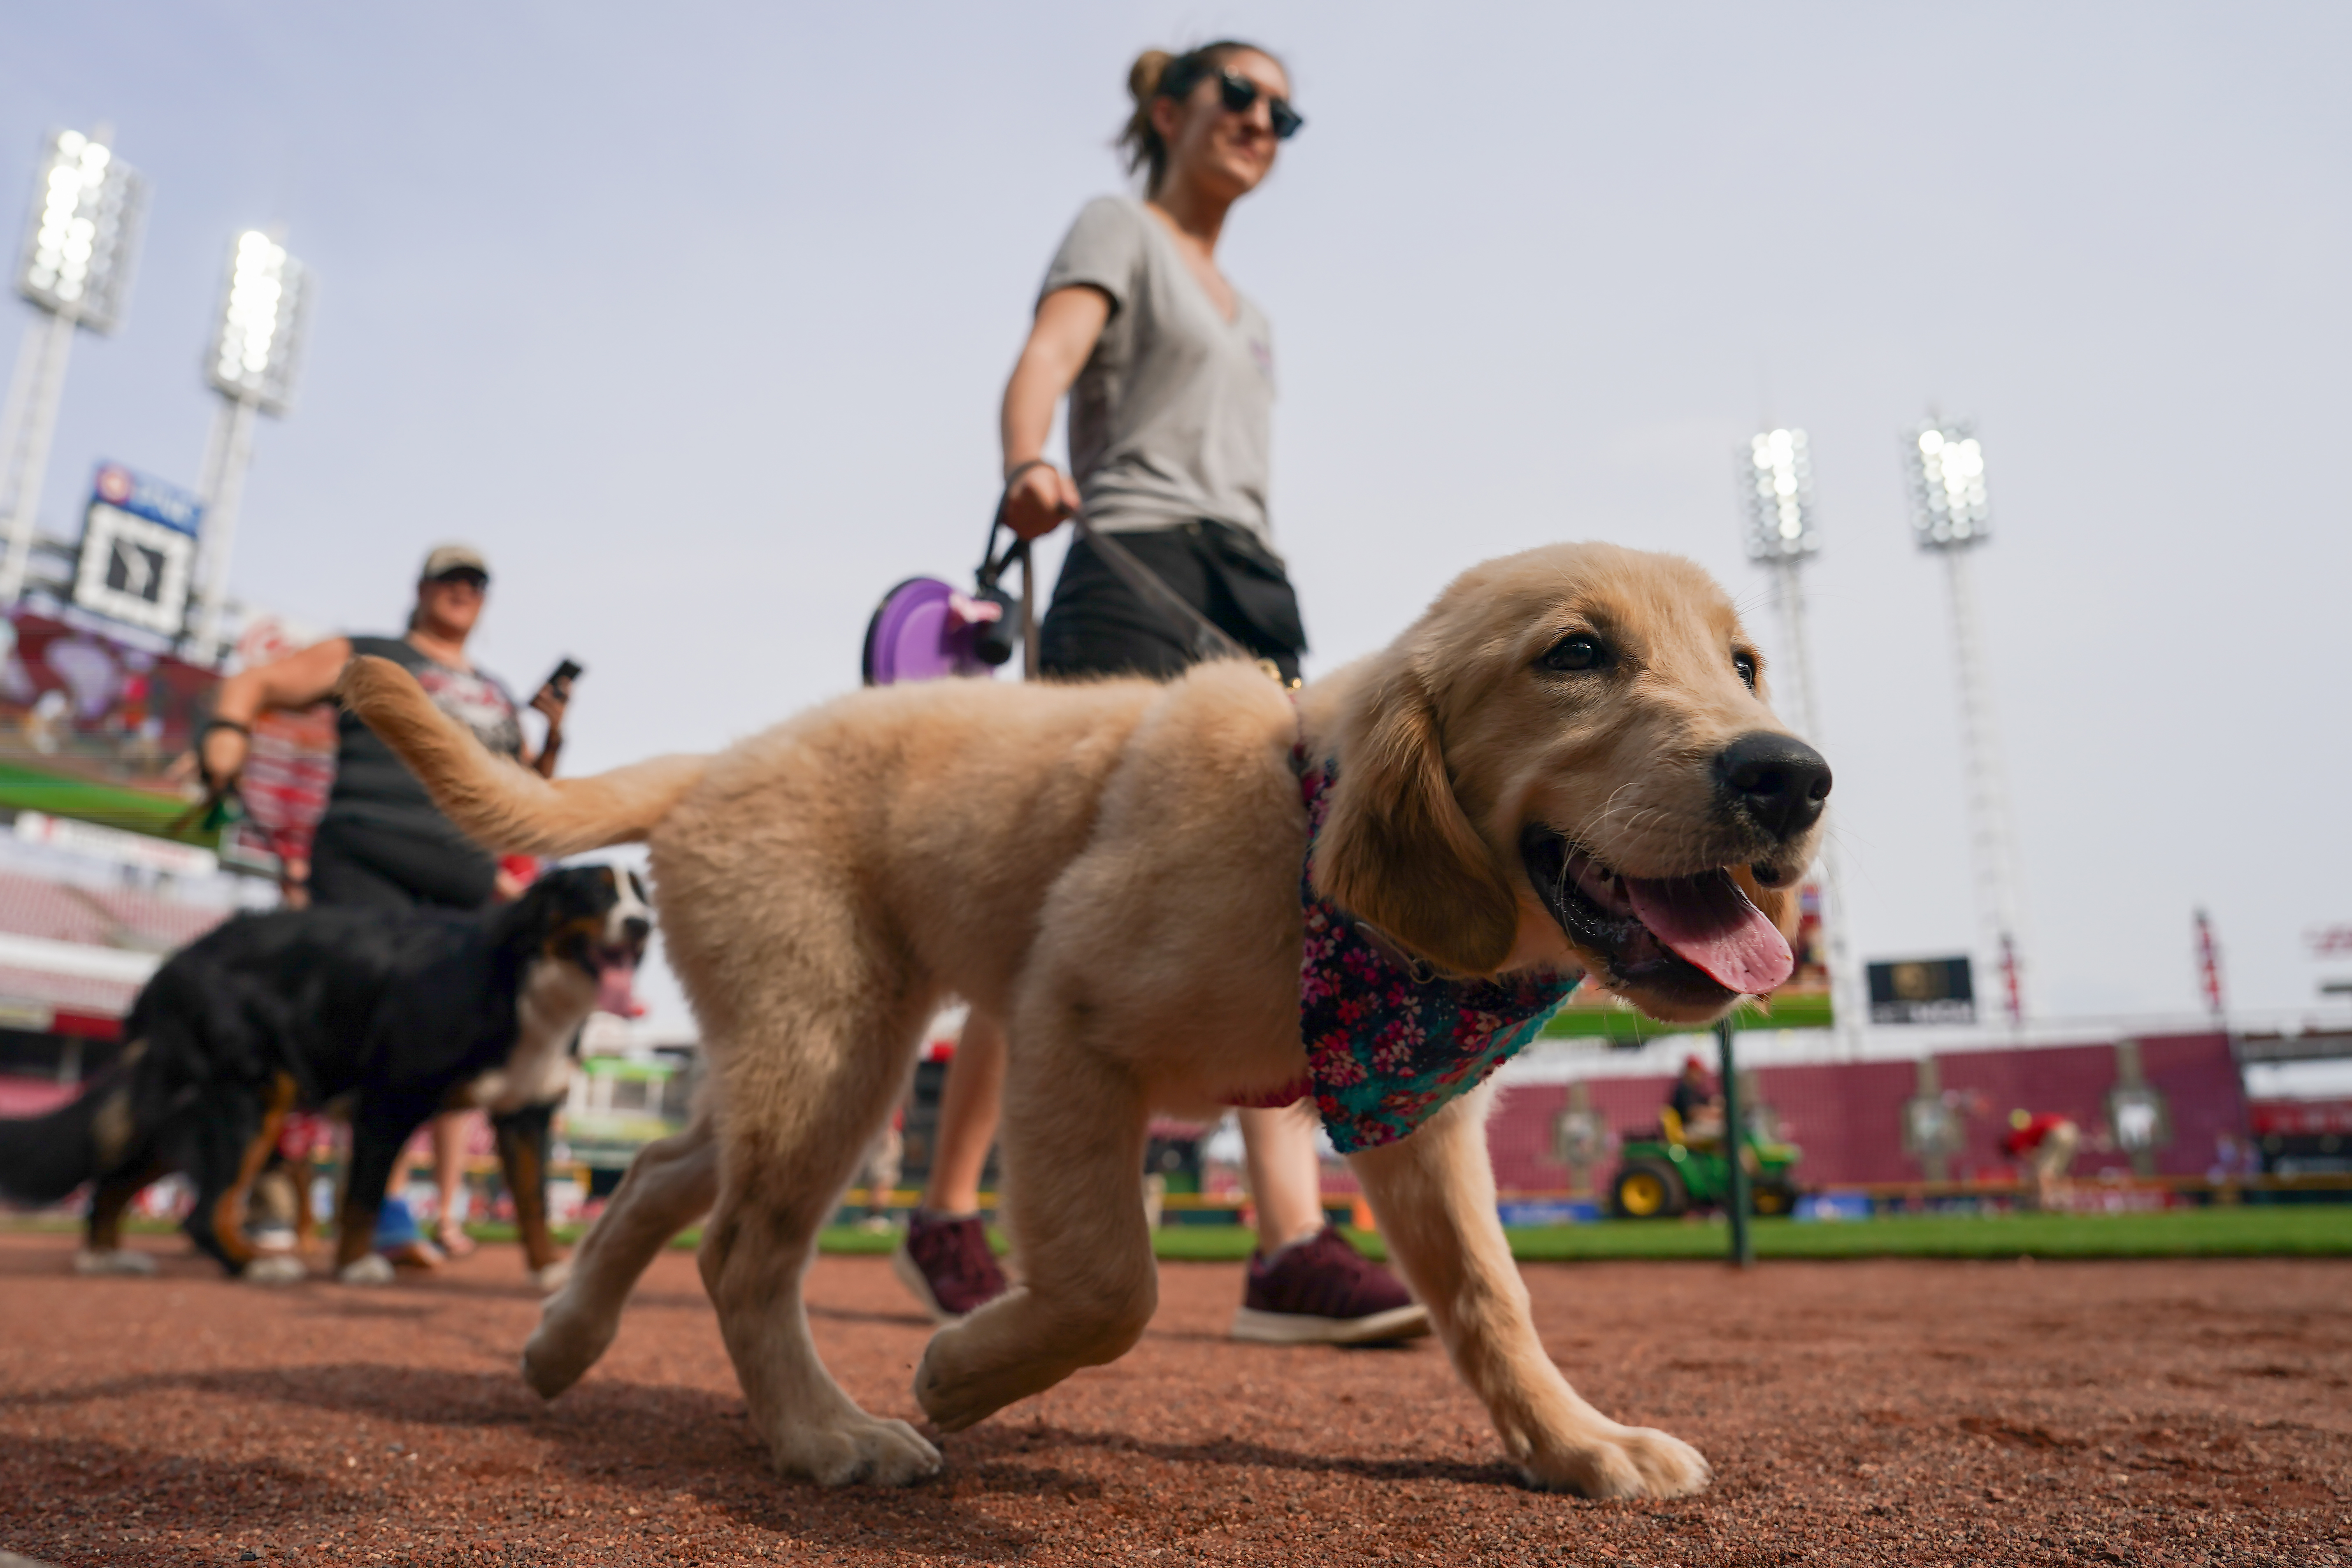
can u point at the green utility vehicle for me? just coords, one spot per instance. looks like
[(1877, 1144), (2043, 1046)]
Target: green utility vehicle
[(1665, 1175)]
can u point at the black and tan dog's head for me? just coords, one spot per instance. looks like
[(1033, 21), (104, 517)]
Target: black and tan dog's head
[(595, 918), (1573, 752)]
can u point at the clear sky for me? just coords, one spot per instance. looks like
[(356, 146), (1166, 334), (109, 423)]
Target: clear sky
[(696, 318)]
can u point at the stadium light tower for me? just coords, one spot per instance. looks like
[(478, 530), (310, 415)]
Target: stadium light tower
[(1945, 464), (1774, 474), (75, 269), (265, 311)]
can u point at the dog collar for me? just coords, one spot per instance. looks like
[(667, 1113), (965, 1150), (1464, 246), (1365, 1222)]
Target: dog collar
[(1388, 1040)]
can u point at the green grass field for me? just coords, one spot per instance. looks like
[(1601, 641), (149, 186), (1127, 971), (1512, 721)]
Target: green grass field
[(2281, 1230), (2255, 1230), (2268, 1230)]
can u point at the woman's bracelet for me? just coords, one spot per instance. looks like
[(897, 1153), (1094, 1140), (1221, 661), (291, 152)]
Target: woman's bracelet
[(1018, 470), (212, 724)]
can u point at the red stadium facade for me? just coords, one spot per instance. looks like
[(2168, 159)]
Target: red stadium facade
[(1851, 1118)]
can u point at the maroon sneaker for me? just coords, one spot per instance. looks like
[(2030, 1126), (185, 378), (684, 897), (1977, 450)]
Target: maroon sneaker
[(1322, 1291), (947, 1264)]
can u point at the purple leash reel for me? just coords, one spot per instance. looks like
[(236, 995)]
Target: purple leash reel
[(925, 629)]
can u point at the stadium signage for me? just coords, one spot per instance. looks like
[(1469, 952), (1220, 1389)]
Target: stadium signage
[(1923, 991), (138, 550)]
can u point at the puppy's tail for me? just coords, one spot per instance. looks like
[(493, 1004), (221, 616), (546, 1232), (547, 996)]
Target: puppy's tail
[(43, 1158), (499, 806)]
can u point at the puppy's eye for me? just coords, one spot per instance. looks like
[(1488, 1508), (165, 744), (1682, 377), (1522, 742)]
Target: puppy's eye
[(1578, 652), (1745, 664)]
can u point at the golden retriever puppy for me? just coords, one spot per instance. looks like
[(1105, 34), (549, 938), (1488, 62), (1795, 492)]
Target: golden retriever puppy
[(1567, 765)]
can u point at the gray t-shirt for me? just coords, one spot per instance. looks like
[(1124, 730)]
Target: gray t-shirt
[(1172, 419)]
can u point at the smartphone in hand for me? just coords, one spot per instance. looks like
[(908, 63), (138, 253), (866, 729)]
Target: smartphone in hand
[(560, 681)]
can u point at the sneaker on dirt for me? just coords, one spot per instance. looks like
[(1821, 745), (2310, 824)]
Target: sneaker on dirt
[(1322, 1291), (271, 1237), (946, 1263)]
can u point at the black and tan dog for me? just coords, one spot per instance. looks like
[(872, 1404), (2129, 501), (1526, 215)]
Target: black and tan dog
[(395, 1015)]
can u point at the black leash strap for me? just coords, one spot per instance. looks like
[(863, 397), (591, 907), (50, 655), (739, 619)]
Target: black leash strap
[(1209, 639)]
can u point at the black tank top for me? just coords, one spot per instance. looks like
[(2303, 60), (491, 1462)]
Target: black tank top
[(375, 787)]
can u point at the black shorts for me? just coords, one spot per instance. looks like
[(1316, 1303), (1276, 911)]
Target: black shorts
[(361, 864), (1099, 625)]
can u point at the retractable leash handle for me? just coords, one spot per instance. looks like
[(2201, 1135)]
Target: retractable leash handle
[(993, 644), (223, 803), (224, 807)]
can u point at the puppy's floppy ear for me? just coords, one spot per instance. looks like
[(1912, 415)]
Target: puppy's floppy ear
[(1396, 850)]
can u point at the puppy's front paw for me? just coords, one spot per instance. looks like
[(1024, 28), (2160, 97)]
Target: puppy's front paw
[(1629, 1462), (119, 1260), (278, 1269), (856, 1447), (372, 1269), (570, 1336), (954, 1389), (974, 1368)]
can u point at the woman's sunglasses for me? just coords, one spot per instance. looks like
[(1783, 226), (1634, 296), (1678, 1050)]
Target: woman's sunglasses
[(1238, 92)]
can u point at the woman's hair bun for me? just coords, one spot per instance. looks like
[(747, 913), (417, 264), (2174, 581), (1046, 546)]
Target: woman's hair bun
[(1143, 76)]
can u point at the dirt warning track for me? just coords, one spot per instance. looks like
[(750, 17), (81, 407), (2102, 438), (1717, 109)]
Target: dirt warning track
[(1910, 1412)]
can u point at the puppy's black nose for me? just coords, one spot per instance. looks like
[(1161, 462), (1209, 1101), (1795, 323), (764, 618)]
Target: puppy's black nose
[(1778, 780), (638, 927)]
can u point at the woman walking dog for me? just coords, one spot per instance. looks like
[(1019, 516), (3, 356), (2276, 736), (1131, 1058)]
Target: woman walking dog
[(1170, 375)]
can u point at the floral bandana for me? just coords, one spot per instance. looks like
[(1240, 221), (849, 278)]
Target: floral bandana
[(1388, 1042)]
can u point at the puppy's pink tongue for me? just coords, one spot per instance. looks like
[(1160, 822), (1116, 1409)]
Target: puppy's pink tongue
[(1709, 921), (614, 990)]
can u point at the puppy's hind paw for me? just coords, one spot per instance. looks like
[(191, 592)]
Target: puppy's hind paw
[(279, 1269), (119, 1260), (372, 1269), (1631, 1462), (855, 1448)]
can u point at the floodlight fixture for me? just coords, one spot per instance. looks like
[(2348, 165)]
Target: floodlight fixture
[(75, 268), (263, 310), (1944, 467), (83, 234), (256, 353), (1776, 475), (1945, 463)]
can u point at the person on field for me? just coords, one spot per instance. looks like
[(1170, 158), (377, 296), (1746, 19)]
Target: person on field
[(2044, 1147), (1695, 1102), (1169, 370), (381, 843), (884, 1161)]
